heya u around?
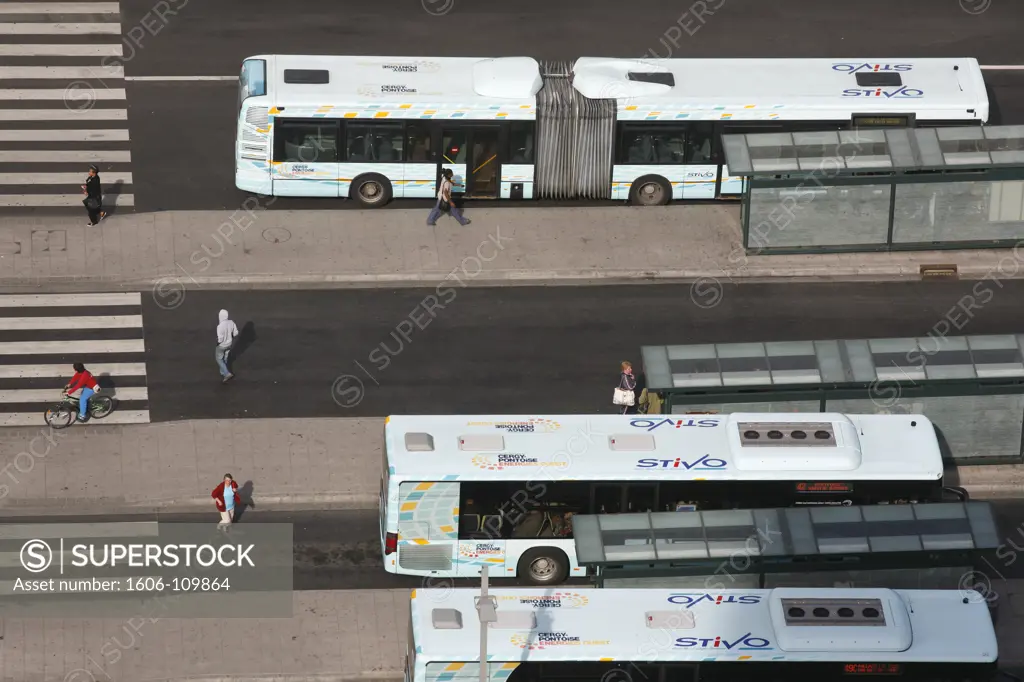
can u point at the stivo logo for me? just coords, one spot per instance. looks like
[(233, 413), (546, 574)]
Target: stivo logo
[(745, 643), (692, 599)]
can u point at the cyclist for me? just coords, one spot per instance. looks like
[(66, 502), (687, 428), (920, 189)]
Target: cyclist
[(85, 381)]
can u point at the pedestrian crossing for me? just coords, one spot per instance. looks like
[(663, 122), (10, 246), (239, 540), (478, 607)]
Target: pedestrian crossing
[(63, 105), (41, 336)]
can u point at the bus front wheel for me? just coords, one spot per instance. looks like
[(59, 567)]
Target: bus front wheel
[(650, 190), (371, 190), (544, 566)]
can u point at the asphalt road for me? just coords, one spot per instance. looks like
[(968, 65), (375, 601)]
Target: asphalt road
[(183, 132), (341, 550), (510, 350), (211, 39)]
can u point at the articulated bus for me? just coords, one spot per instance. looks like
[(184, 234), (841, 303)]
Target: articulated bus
[(646, 131), (459, 492), (646, 635)]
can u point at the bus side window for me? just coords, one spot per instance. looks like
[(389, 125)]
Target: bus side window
[(607, 499), (520, 142), (698, 144), (417, 144), (453, 148)]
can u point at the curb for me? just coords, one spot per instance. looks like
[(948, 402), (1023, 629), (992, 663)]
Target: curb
[(818, 273), (374, 676), (274, 503)]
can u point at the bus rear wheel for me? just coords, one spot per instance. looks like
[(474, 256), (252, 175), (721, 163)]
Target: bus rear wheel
[(650, 190), (544, 566), (371, 191)]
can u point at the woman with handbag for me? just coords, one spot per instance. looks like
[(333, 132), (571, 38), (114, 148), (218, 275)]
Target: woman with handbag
[(93, 196), (625, 394)]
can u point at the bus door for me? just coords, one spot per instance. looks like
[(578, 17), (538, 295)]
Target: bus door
[(428, 537), (731, 186), (472, 154), (702, 170)]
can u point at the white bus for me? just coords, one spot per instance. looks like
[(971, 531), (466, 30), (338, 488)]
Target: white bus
[(373, 128), (458, 492), (647, 131), (646, 635)]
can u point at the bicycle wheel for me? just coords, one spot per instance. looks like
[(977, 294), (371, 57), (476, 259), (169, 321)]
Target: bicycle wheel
[(59, 416), (100, 406)]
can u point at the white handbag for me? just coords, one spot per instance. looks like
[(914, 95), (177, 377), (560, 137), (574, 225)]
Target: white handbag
[(623, 397)]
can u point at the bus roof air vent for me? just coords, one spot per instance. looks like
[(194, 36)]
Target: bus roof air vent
[(631, 442), (482, 442), (834, 612), (517, 619), (446, 619), (660, 78), (419, 442), (879, 79), (680, 619), (783, 434)]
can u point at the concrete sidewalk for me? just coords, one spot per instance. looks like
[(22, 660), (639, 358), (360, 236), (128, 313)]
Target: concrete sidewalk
[(293, 464), (176, 251), (338, 635), (335, 635)]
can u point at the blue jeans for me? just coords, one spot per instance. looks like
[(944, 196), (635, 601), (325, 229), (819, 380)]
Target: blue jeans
[(83, 401), (221, 355), (435, 213)]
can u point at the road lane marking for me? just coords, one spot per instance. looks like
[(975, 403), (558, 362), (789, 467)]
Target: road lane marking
[(112, 369), (117, 417), (51, 200), (40, 29), (60, 178), (74, 322), (72, 347)]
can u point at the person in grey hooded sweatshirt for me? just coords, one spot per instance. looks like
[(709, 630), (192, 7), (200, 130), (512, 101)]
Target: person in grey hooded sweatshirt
[(226, 333)]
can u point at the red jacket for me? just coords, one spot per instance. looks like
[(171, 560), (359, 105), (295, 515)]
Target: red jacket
[(218, 495), (82, 380)]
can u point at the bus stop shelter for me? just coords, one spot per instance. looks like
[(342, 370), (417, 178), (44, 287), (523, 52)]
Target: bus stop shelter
[(908, 546), (880, 189), (971, 387)]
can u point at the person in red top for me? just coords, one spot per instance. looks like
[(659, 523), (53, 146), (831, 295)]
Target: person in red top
[(225, 496), (85, 381)]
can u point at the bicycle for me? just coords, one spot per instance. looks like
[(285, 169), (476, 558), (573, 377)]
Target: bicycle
[(64, 413)]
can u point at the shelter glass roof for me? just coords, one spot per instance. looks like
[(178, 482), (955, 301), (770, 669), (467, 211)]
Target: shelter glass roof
[(815, 363), (874, 150), (798, 531)]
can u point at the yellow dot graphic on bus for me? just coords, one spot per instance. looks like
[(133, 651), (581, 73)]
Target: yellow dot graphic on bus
[(484, 463), (572, 599), (523, 642)]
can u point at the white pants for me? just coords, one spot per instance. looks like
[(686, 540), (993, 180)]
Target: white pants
[(227, 517)]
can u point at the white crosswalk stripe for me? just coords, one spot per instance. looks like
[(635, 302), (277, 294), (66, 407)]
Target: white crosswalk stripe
[(63, 106), (42, 335)]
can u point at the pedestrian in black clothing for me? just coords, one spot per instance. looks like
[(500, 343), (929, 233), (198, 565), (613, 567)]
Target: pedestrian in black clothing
[(93, 201)]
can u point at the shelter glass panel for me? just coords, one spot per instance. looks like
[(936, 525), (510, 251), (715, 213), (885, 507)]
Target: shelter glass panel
[(987, 427), (728, 408), (958, 212), (812, 215)]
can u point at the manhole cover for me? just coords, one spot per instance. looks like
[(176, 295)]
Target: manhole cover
[(276, 235)]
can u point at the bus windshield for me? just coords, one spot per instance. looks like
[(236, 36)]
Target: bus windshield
[(252, 81)]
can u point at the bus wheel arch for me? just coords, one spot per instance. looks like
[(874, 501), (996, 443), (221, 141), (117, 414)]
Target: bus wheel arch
[(371, 190), (650, 190), (543, 566)]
